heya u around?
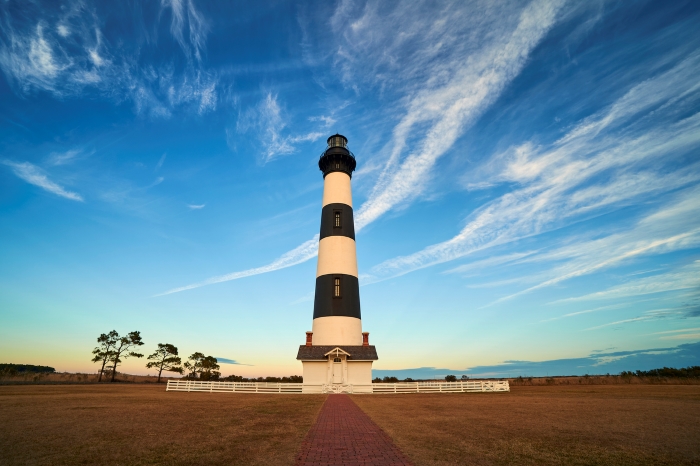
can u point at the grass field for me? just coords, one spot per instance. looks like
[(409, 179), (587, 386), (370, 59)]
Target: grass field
[(142, 424), (619, 424)]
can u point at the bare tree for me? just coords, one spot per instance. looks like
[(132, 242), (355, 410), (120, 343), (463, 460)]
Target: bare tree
[(103, 352), (123, 348), (165, 358)]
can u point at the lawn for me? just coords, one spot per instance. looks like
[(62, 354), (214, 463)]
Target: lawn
[(143, 424), (619, 424)]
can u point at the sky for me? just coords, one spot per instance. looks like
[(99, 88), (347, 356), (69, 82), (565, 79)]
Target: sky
[(527, 192)]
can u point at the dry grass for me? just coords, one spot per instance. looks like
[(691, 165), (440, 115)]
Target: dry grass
[(142, 424), (618, 424), (68, 377)]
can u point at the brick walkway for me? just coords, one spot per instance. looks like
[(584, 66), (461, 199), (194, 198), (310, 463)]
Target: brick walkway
[(345, 435)]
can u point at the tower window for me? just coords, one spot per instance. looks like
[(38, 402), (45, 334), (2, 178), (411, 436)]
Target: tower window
[(337, 360), (336, 219), (336, 288), (337, 165)]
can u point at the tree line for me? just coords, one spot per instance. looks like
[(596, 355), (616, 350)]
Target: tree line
[(387, 379), (685, 372), (14, 369), (112, 349)]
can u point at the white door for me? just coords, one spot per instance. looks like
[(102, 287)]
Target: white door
[(337, 372)]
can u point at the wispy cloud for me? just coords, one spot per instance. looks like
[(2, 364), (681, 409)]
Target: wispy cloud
[(442, 111), (300, 254), (196, 206), (63, 158), (490, 262), (586, 311), (648, 315), (160, 163), (76, 56), (605, 160), (267, 121), (687, 336), (188, 26), (36, 176), (687, 277)]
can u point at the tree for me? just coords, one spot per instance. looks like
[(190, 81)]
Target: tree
[(209, 368), (194, 364), (203, 367), (165, 358), (103, 352), (465, 377), (450, 378), (123, 349)]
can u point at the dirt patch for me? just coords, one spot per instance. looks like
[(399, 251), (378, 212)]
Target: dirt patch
[(620, 424), (144, 424)]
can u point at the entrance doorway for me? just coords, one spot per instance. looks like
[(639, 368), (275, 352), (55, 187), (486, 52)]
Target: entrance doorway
[(337, 370)]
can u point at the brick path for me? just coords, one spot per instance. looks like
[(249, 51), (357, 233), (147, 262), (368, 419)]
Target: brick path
[(345, 435)]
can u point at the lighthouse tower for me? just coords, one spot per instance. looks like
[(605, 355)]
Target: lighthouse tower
[(337, 353)]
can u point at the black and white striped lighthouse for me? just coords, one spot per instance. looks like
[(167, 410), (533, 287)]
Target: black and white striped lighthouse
[(336, 336)]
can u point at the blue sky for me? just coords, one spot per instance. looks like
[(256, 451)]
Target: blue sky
[(527, 193)]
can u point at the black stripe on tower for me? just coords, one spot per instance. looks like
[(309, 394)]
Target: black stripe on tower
[(337, 220), (337, 294)]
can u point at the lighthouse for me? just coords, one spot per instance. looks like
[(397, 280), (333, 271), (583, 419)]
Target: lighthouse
[(337, 355)]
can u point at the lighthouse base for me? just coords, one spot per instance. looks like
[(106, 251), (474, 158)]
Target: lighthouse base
[(338, 366)]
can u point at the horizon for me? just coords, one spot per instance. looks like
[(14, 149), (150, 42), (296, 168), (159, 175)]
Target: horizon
[(527, 192)]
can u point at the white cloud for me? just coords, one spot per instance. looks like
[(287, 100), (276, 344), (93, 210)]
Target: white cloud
[(63, 158), (687, 277), (161, 161), (267, 121), (687, 336), (490, 262), (196, 206), (187, 21), (589, 169), (648, 315), (302, 253), (63, 30), (75, 56), (448, 100), (34, 175), (328, 121), (441, 113)]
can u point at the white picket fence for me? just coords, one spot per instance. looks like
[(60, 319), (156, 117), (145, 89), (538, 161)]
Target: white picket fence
[(401, 387)]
